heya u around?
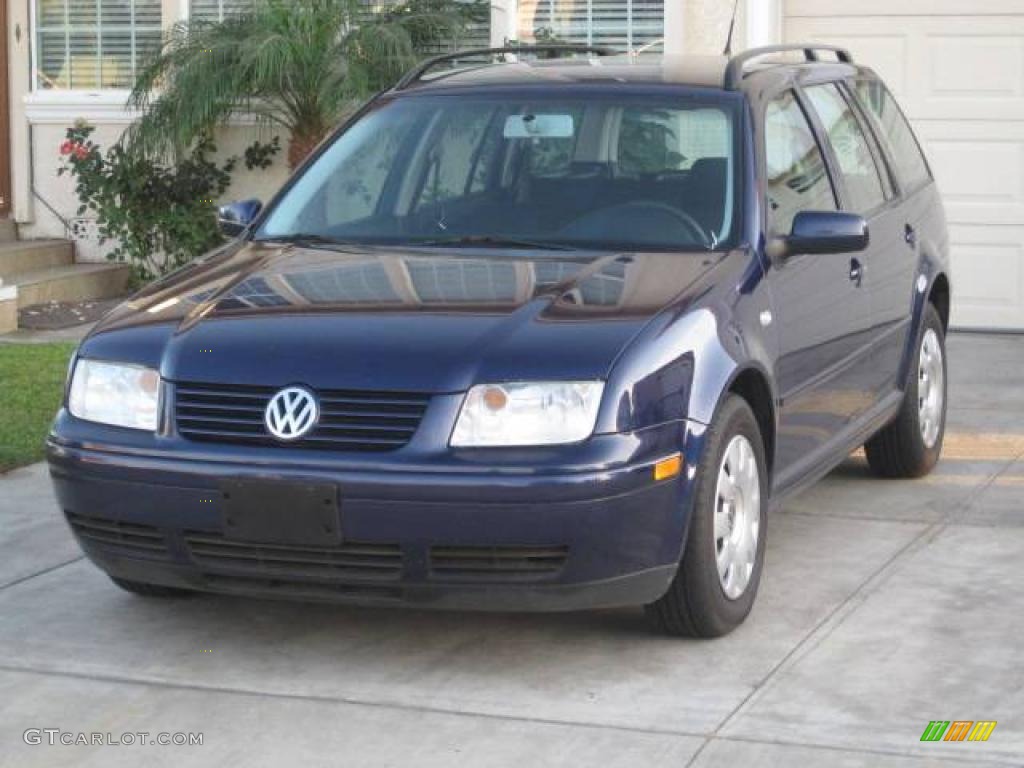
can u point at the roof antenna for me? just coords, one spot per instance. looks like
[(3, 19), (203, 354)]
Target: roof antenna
[(732, 27)]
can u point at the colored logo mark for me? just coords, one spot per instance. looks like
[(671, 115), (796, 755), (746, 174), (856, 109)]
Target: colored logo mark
[(958, 730)]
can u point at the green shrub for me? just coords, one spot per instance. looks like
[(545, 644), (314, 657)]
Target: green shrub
[(158, 216)]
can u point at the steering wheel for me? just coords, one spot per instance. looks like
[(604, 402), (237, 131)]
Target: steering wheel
[(645, 215)]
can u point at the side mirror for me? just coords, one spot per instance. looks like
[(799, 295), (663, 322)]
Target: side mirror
[(820, 232), (235, 218)]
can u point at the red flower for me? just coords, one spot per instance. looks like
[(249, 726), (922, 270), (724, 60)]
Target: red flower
[(81, 152), (67, 147)]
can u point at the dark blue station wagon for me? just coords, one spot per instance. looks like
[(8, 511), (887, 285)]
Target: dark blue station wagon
[(535, 335)]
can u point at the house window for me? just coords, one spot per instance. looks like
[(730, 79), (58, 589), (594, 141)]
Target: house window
[(626, 24), (215, 10), (94, 44)]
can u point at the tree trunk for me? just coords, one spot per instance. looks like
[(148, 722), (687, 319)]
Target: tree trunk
[(303, 141)]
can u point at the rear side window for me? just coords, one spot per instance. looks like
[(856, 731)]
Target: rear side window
[(797, 175), (861, 179), (450, 172), (911, 167), (663, 141)]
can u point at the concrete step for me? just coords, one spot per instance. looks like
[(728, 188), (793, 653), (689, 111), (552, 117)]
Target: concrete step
[(33, 255), (8, 231), (70, 282)]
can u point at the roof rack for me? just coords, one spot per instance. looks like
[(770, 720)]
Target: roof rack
[(416, 73), (734, 72)]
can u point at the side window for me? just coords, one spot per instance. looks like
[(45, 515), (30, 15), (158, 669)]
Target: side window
[(659, 141), (797, 175), (551, 156), (911, 167), (453, 154), (325, 200), (648, 142), (861, 179)]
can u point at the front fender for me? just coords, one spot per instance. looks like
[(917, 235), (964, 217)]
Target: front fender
[(685, 360)]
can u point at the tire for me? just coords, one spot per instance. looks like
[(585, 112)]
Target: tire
[(697, 603), (150, 590), (910, 445)]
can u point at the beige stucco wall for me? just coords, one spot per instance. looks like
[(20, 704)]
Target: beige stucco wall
[(706, 25), (59, 191)]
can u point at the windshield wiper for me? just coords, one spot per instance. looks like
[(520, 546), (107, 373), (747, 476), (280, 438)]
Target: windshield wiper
[(308, 240), (495, 241)]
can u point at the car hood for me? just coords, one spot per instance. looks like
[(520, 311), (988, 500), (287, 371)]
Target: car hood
[(392, 319)]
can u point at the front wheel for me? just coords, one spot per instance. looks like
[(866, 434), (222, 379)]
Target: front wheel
[(910, 445), (714, 588)]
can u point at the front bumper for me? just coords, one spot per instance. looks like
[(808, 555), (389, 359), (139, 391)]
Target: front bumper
[(555, 538)]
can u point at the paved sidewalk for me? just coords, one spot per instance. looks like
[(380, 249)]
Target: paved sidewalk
[(884, 605), (23, 336)]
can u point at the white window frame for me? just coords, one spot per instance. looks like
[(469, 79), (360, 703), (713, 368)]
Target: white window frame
[(175, 7), (58, 106)]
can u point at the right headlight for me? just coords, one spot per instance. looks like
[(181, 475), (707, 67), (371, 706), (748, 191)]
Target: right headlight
[(528, 413), (119, 394)]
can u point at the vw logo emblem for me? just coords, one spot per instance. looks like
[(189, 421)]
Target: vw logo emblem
[(291, 413)]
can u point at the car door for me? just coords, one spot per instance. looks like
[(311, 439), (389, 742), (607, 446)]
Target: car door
[(866, 188), (821, 307), (892, 273)]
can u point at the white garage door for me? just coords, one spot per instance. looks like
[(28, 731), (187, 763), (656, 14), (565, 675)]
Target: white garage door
[(957, 67)]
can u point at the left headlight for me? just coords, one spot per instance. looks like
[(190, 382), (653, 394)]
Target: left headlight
[(115, 393), (531, 413)]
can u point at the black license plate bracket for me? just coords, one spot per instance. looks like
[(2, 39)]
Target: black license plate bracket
[(271, 511)]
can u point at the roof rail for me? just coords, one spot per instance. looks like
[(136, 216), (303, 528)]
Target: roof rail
[(416, 73), (734, 72)]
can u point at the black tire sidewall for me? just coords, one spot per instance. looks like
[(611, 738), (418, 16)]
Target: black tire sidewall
[(926, 457), (712, 609)]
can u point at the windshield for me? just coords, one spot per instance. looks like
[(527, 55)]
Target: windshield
[(599, 172)]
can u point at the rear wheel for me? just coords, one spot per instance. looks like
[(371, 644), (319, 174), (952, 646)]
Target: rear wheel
[(910, 445), (150, 590), (717, 580)]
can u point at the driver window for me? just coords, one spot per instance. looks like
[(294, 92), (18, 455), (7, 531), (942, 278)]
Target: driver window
[(798, 178), (659, 141), (450, 165)]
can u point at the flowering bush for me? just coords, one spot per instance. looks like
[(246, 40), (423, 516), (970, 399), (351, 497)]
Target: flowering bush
[(158, 217)]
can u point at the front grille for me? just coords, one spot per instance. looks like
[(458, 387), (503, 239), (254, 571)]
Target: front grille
[(130, 538), (302, 589), (349, 420), (350, 563), (506, 564)]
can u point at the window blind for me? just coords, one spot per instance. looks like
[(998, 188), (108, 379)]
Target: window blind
[(622, 24), (89, 44), (215, 10)]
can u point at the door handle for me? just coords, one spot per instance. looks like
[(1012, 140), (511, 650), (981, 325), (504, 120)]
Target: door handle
[(856, 272), (910, 236)]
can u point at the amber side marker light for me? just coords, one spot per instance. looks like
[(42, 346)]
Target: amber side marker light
[(669, 467)]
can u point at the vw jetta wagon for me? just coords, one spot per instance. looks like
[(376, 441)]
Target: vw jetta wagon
[(526, 335)]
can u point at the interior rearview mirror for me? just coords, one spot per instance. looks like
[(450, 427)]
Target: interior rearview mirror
[(234, 218), (819, 232)]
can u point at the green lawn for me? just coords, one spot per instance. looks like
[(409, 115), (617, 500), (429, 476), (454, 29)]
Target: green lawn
[(31, 386)]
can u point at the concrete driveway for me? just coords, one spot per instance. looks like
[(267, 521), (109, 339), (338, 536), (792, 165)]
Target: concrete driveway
[(884, 605)]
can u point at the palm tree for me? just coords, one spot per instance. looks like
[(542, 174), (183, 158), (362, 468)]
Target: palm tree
[(300, 64)]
